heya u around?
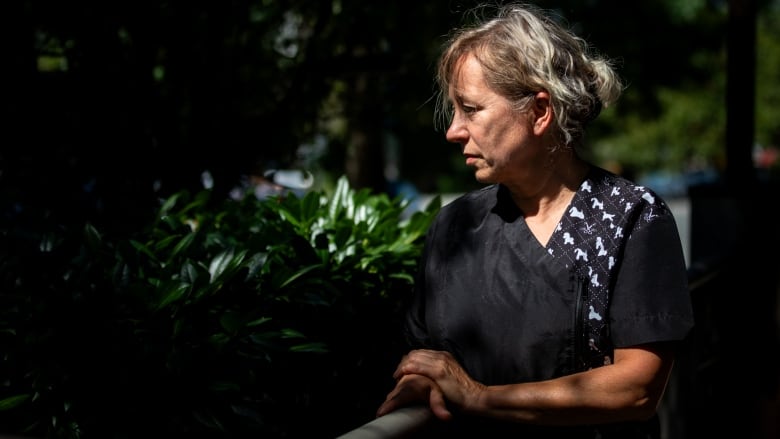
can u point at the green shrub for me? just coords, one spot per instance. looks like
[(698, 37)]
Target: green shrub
[(232, 318)]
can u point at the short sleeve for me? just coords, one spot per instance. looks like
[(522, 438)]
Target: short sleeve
[(651, 301)]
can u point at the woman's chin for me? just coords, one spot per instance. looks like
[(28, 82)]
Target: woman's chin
[(483, 176)]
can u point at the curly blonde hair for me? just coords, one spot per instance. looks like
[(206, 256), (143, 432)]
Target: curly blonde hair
[(524, 50)]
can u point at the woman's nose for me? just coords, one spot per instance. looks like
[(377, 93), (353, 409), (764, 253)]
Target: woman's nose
[(456, 133)]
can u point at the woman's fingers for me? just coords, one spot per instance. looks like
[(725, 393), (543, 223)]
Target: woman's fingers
[(438, 405)]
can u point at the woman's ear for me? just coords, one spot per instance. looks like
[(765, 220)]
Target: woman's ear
[(542, 112)]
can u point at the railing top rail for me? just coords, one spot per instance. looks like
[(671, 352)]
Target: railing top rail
[(394, 425)]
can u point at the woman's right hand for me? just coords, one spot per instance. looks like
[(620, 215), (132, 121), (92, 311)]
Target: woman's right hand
[(415, 389)]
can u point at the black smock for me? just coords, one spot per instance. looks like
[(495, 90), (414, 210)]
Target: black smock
[(511, 310)]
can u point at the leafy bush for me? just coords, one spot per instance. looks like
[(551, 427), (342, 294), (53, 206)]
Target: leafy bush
[(232, 318)]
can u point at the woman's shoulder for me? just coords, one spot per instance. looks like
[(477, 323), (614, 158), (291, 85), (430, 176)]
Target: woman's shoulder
[(488, 191), (606, 184), (474, 198), (616, 201), (473, 204)]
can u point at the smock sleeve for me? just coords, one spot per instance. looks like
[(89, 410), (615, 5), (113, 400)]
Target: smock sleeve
[(651, 300)]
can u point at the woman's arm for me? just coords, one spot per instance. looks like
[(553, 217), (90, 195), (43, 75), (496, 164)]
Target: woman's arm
[(629, 389)]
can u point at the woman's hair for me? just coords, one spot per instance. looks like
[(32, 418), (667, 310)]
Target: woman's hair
[(523, 51)]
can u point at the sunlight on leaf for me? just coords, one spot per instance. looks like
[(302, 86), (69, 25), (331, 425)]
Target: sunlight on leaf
[(220, 263)]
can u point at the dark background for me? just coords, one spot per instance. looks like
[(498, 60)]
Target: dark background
[(109, 107)]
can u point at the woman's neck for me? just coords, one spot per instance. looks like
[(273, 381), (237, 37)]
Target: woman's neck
[(567, 174)]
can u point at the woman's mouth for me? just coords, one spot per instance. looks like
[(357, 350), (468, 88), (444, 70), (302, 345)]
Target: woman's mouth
[(471, 160)]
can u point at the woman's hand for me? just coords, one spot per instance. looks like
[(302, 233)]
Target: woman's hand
[(448, 381), (412, 389)]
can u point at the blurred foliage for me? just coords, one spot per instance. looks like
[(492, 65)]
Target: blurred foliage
[(273, 318), (678, 122), (112, 106), (767, 72), (680, 126)]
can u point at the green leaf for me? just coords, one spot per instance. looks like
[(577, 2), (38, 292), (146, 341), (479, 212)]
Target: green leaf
[(182, 245), (14, 401), (232, 321), (291, 333), (255, 263), (289, 215), (298, 274), (259, 321), (310, 347), (403, 276), (343, 235), (92, 237), (339, 198), (172, 293), (163, 243), (169, 203), (143, 249), (188, 273), (220, 263), (309, 207), (220, 339)]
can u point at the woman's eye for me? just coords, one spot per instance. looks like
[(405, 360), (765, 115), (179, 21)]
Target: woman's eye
[(469, 109)]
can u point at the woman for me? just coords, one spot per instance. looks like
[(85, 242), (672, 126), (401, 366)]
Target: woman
[(550, 302)]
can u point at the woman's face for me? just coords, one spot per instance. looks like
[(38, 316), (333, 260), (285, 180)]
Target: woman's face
[(499, 142)]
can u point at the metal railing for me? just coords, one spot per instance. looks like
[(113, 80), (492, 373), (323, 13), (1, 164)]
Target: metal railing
[(402, 423)]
